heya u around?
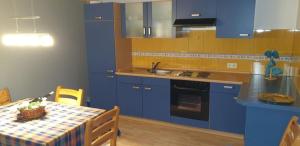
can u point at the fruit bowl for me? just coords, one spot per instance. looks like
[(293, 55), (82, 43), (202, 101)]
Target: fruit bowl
[(34, 109), (31, 114)]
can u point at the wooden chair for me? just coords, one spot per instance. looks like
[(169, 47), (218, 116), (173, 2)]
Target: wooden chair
[(103, 128), (69, 96), (290, 136), (4, 96)]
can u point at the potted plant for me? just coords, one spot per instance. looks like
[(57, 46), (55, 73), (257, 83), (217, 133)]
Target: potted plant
[(271, 69)]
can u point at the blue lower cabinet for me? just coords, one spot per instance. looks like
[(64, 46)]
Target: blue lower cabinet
[(156, 100), (144, 97), (130, 99), (225, 113), (102, 90), (150, 98), (265, 126)]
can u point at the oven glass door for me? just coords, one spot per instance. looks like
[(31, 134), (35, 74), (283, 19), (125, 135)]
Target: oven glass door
[(191, 103)]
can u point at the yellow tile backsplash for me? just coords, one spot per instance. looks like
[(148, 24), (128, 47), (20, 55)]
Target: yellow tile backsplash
[(296, 63), (205, 42)]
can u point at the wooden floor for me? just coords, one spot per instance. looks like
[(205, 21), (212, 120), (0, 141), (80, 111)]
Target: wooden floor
[(136, 132)]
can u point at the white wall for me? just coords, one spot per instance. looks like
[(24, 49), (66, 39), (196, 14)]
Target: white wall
[(298, 19), (276, 14), (31, 72), (122, 1)]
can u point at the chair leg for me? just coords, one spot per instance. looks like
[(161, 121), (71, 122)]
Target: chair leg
[(113, 141), (119, 133)]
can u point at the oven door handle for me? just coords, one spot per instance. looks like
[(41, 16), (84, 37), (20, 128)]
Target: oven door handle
[(189, 89)]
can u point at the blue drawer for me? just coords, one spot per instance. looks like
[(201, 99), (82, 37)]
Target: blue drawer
[(156, 81), (130, 80), (224, 88)]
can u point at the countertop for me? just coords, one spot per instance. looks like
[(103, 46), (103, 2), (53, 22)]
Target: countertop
[(217, 77), (258, 84)]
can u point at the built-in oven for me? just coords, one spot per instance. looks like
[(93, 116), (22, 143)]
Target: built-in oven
[(190, 99)]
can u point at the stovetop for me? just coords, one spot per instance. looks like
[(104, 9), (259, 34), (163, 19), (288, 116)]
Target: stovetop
[(186, 74), (194, 74)]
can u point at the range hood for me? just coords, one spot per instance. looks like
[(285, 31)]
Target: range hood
[(184, 26), (200, 22)]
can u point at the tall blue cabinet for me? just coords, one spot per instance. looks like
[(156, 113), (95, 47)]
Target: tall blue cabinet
[(100, 43)]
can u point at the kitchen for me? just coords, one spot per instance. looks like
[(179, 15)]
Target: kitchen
[(192, 65)]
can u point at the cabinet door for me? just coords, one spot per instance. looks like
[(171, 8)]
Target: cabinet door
[(156, 100), (103, 11), (130, 99), (190, 9), (225, 113), (134, 21), (160, 24), (100, 46), (235, 18), (102, 90)]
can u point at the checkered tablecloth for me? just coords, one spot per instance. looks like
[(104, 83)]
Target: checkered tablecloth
[(62, 126)]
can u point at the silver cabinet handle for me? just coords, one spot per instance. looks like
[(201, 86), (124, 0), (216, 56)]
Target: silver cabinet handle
[(110, 71), (98, 18), (196, 14), (135, 87), (228, 87), (149, 31), (244, 35), (144, 31), (147, 88), (110, 77)]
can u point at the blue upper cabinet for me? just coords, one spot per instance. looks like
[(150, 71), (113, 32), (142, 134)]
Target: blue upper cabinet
[(99, 11), (149, 19), (100, 43), (190, 9), (225, 113), (134, 23), (235, 18)]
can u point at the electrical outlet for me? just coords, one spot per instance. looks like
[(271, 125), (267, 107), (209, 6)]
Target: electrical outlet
[(232, 65)]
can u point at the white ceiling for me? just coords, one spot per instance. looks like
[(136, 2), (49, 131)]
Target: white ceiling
[(121, 1)]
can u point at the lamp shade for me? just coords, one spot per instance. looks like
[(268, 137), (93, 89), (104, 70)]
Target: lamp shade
[(28, 40)]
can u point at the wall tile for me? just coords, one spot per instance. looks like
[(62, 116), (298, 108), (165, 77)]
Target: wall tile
[(205, 42)]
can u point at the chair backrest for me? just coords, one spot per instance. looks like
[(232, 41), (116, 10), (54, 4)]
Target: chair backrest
[(69, 96), (4, 96), (291, 133), (103, 128)]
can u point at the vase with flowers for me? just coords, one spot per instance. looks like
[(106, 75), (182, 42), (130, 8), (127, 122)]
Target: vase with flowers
[(272, 71)]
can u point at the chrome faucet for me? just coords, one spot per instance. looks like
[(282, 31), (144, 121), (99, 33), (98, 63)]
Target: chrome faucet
[(154, 66)]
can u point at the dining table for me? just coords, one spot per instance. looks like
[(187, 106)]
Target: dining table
[(63, 125)]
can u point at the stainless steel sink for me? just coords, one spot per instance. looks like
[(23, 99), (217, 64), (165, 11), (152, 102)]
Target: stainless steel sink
[(160, 71)]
